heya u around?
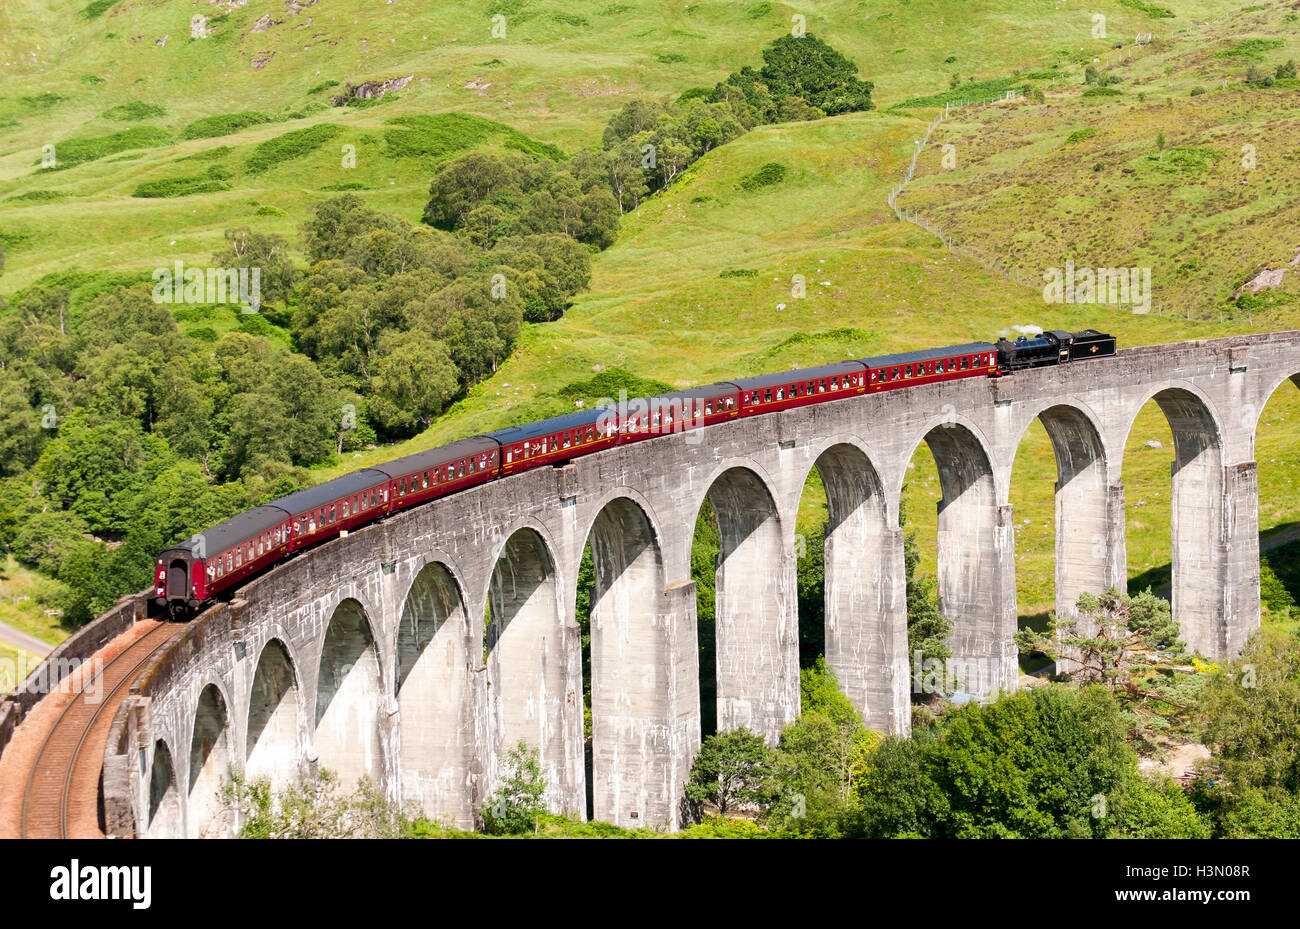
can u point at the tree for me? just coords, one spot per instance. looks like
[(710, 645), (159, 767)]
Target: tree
[(1113, 640), (1154, 809), (805, 66), (733, 770), (416, 377), (314, 809), (266, 251), (1252, 716), (517, 804), (339, 222), (464, 183), (1032, 764), (820, 757)]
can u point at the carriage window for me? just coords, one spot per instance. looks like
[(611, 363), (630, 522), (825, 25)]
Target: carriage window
[(347, 509), (239, 558), (780, 393), (965, 362), (767, 395), (462, 469)]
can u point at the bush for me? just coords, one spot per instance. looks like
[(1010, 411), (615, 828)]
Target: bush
[(733, 770), (289, 146), (1286, 71), (517, 804), (135, 110), (76, 151), (771, 173), (1198, 91), (1249, 49), (1079, 135), (209, 127), (95, 9), (179, 187)]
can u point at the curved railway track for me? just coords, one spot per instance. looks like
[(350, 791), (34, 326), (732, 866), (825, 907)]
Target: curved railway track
[(61, 759)]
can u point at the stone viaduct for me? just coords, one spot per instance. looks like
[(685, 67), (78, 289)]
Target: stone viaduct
[(416, 651)]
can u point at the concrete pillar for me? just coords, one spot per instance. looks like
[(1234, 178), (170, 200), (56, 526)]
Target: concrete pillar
[(348, 699), (757, 613), (535, 670), (1199, 531), (210, 762), (976, 565), (866, 597), (435, 741), (1241, 558), (632, 679), (683, 682)]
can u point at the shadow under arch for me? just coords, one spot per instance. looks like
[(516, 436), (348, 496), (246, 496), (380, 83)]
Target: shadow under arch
[(164, 797), (1089, 548), (865, 601), (1198, 534), (534, 667), (435, 697), (756, 618), (210, 758), (348, 696), (976, 579), (274, 743)]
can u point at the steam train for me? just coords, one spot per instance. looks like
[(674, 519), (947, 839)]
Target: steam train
[(193, 573)]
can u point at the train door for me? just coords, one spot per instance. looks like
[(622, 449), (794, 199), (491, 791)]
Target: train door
[(178, 579)]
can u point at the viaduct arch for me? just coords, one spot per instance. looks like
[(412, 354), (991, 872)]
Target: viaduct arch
[(453, 625)]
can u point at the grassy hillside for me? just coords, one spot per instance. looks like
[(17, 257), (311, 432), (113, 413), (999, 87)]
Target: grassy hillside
[(698, 285), (87, 71), (1184, 167)]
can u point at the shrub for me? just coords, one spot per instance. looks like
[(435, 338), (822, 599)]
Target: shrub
[(289, 146), (39, 196), (517, 803), (209, 127), (95, 9), (135, 110), (1079, 135), (71, 152), (1286, 71), (179, 187), (40, 103), (771, 173), (1152, 10), (1197, 91), (1249, 49)]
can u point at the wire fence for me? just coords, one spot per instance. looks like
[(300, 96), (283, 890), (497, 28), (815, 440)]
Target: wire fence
[(994, 263)]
